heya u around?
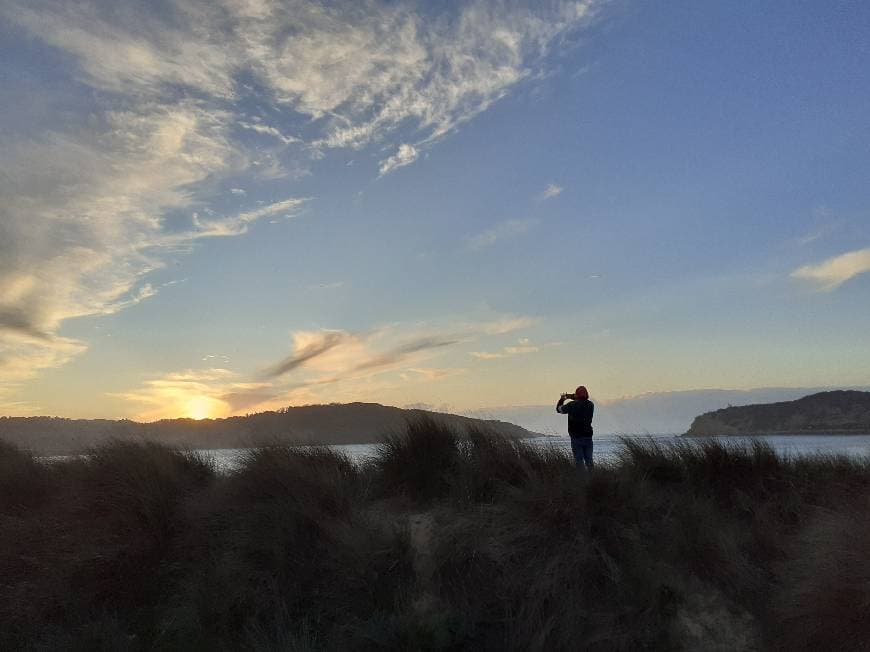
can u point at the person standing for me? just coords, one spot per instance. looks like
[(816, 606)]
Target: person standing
[(579, 410)]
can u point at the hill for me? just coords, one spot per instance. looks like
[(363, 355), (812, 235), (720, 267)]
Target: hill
[(654, 412), (351, 423), (821, 413)]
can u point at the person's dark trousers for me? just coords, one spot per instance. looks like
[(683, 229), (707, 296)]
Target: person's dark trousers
[(582, 449)]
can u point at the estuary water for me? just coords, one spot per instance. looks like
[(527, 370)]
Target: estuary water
[(606, 446)]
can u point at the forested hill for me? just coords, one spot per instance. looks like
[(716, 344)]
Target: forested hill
[(351, 423), (826, 412)]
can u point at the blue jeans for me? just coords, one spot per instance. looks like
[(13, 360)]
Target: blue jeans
[(582, 449)]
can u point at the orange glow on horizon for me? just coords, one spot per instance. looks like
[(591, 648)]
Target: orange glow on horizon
[(200, 407)]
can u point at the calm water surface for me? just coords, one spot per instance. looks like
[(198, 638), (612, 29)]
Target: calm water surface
[(228, 459)]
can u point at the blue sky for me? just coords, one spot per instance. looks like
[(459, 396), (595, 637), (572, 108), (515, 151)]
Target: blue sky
[(219, 207)]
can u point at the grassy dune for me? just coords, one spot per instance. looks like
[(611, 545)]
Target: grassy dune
[(436, 544)]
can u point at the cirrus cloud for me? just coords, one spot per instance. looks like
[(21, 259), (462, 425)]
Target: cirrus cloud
[(552, 190), (506, 229), (405, 155), (832, 273), (324, 364), (96, 203)]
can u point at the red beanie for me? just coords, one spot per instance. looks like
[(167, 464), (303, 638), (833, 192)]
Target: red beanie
[(581, 393)]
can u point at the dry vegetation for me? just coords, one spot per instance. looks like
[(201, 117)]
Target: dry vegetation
[(441, 542)]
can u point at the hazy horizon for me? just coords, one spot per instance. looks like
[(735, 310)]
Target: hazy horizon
[(215, 208)]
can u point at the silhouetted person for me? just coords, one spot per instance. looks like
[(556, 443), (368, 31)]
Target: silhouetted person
[(579, 410)]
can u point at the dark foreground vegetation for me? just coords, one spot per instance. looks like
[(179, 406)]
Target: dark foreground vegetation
[(438, 543)]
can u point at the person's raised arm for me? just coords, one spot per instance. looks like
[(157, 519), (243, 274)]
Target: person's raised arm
[(559, 404)]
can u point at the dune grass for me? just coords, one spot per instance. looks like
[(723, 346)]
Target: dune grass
[(444, 540)]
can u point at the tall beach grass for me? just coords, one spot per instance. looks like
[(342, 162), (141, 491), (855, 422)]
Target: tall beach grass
[(444, 540)]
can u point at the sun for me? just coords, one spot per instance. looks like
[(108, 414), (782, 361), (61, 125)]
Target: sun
[(199, 407)]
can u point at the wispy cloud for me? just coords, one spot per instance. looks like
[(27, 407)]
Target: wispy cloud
[(308, 347), (268, 131), (405, 155), (432, 374), (142, 293), (522, 347), (324, 365), (98, 205), (487, 355), (826, 224), (816, 234), (351, 352), (22, 360), (82, 218), (239, 224), (507, 229), (87, 211), (833, 272), (362, 69), (327, 357), (325, 360), (504, 325), (552, 190), (335, 285), (16, 320), (403, 352)]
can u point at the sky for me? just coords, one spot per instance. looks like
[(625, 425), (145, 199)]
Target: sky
[(221, 207)]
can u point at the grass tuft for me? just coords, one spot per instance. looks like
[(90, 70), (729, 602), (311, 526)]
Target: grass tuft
[(419, 462)]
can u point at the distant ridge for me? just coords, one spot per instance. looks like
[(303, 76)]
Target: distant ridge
[(669, 412), (350, 423), (833, 412)]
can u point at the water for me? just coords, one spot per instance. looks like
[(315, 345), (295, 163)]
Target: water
[(228, 459)]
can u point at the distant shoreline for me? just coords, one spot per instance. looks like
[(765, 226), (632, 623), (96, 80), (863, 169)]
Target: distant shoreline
[(333, 424), (781, 433), (838, 412)]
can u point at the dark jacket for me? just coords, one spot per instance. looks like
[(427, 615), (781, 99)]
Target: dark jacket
[(579, 416)]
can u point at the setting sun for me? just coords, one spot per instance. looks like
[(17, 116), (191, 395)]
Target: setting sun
[(200, 407)]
